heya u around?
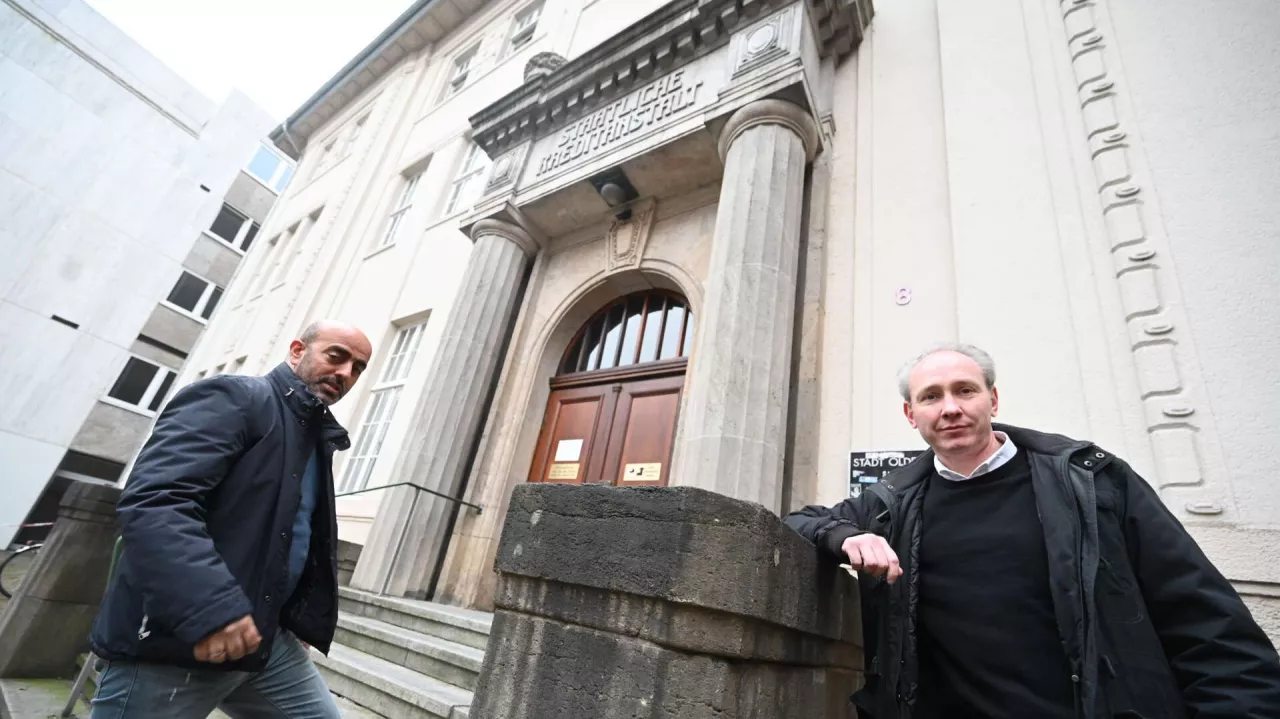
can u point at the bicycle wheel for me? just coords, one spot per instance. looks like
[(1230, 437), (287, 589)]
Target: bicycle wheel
[(14, 568)]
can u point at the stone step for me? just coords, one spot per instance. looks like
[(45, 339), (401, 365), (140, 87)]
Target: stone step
[(388, 688), (462, 626), (441, 659)]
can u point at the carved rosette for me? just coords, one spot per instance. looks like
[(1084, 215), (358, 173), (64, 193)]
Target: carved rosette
[(506, 168), (765, 41), (1146, 286)]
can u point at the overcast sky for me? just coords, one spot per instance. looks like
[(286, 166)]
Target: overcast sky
[(277, 52)]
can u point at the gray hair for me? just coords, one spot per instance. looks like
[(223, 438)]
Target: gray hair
[(976, 354)]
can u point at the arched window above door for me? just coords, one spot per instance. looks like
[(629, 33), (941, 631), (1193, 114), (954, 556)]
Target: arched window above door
[(643, 327)]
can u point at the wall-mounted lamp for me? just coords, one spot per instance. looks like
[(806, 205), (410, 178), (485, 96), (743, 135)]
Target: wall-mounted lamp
[(616, 190)]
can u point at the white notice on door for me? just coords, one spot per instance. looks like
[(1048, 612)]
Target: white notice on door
[(568, 450)]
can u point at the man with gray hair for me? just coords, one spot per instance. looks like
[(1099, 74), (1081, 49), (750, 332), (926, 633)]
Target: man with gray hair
[(1012, 573)]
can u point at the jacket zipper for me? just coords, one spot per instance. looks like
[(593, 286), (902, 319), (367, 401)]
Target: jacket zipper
[(143, 632)]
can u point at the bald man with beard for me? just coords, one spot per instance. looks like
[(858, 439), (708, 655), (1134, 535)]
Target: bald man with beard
[(230, 537)]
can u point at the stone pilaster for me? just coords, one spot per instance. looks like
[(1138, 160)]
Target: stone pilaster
[(408, 534), (733, 432)]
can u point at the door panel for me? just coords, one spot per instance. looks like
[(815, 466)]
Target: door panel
[(571, 446), (645, 422)]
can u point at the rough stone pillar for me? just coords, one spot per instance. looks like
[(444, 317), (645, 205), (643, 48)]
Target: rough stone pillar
[(46, 625), (623, 602), (733, 432), (408, 534)]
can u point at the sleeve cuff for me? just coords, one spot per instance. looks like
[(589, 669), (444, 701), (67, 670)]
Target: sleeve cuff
[(216, 616), (836, 536)]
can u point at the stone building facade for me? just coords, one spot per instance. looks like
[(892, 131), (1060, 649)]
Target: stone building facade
[(129, 199), (690, 243)]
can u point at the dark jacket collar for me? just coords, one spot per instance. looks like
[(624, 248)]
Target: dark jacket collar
[(303, 403), (1026, 440)]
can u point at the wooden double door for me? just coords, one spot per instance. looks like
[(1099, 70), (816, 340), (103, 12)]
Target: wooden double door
[(615, 428)]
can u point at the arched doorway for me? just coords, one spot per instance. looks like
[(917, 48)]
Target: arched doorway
[(611, 416)]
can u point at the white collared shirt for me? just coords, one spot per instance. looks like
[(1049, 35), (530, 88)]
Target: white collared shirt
[(1001, 456)]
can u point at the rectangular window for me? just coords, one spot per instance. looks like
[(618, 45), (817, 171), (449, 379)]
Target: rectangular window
[(234, 228), (195, 295), (270, 168), (462, 63), (523, 26), (381, 409), (142, 384), (401, 209), (470, 180)]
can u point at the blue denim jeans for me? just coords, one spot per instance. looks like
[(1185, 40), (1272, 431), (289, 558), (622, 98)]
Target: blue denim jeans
[(289, 687)]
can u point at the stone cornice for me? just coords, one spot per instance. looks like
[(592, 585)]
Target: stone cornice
[(673, 35)]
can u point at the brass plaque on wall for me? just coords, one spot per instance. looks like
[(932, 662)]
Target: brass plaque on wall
[(563, 471), (642, 472)]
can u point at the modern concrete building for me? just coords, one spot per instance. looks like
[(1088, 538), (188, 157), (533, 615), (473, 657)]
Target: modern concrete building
[(690, 243), (129, 199)]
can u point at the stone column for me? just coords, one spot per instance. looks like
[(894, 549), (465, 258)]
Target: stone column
[(46, 625), (408, 534), (733, 432)]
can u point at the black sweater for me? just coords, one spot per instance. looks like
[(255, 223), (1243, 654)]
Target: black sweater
[(989, 644)]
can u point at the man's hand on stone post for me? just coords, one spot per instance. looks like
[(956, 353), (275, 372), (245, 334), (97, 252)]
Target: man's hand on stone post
[(230, 643), (871, 554)]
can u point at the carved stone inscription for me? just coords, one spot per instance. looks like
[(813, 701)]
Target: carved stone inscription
[(649, 106)]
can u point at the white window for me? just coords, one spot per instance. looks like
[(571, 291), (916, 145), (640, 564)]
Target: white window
[(270, 168), (234, 228), (401, 209), (381, 410), (461, 70), (194, 295), (470, 181), (523, 26), (142, 384)]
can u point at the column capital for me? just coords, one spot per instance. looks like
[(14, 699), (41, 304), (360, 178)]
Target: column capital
[(511, 232), (771, 112)]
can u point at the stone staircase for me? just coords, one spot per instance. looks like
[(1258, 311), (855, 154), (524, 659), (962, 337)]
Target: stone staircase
[(404, 658)]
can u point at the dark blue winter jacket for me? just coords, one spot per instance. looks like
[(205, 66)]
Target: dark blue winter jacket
[(207, 518)]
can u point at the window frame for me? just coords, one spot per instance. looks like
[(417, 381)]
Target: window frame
[(404, 203), (202, 304), (460, 75), (164, 378), (517, 37), (279, 179), (464, 174), (384, 397), (245, 234)]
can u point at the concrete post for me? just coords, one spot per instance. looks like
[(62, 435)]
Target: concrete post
[(408, 533), (46, 625), (733, 436), (621, 602)]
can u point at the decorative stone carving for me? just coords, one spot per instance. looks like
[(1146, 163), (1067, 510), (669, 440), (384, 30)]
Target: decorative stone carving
[(1146, 287), (506, 168), (766, 41), (544, 63), (627, 238)]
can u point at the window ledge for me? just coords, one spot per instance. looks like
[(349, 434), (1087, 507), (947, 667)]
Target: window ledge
[(184, 312), (120, 404), (225, 243), (380, 250)]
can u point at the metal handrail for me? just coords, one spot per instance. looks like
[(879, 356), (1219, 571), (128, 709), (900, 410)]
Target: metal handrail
[(479, 509)]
